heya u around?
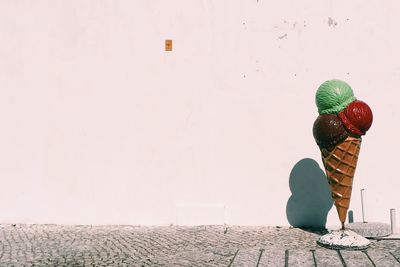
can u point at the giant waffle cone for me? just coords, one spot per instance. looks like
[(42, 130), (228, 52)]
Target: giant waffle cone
[(340, 164)]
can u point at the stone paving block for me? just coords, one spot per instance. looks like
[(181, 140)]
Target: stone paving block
[(191, 258), (356, 259), (396, 253), (370, 229), (301, 257), (272, 257), (327, 257), (247, 257), (383, 258)]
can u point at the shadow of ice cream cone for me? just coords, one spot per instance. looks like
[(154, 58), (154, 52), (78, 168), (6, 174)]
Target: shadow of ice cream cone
[(311, 200)]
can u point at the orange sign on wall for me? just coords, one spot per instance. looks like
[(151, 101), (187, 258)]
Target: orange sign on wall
[(168, 45)]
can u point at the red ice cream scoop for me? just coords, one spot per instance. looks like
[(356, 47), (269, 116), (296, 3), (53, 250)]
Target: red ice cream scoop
[(356, 117)]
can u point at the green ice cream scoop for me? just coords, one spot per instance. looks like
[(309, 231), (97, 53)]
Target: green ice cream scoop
[(333, 96)]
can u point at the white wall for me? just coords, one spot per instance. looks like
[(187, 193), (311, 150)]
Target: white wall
[(100, 125)]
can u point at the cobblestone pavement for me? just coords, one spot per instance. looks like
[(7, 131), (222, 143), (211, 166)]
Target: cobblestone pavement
[(55, 245)]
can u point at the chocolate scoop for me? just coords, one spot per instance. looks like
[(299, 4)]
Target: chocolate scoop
[(328, 130)]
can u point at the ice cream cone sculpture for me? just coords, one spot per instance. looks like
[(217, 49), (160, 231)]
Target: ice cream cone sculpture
[(337, 130)]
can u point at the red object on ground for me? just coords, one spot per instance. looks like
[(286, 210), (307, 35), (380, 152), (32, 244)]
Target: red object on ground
[(356, 117)]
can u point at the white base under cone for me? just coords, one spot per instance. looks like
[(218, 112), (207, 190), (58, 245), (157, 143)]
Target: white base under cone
[(343, 239)]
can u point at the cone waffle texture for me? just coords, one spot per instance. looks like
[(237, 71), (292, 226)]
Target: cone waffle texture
[(340, 164)]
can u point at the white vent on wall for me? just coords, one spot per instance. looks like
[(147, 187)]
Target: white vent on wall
[(189, 214)]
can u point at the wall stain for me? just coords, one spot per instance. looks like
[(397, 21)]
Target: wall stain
[(283, 36), (331, 22)]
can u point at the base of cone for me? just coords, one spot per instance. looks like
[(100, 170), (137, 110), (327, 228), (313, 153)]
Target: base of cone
[(343, 239), (342, 212)]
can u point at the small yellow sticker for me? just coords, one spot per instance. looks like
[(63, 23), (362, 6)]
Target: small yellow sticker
[(168, 45)]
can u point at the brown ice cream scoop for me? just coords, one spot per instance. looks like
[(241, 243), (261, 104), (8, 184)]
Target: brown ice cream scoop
[(328, 131)]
